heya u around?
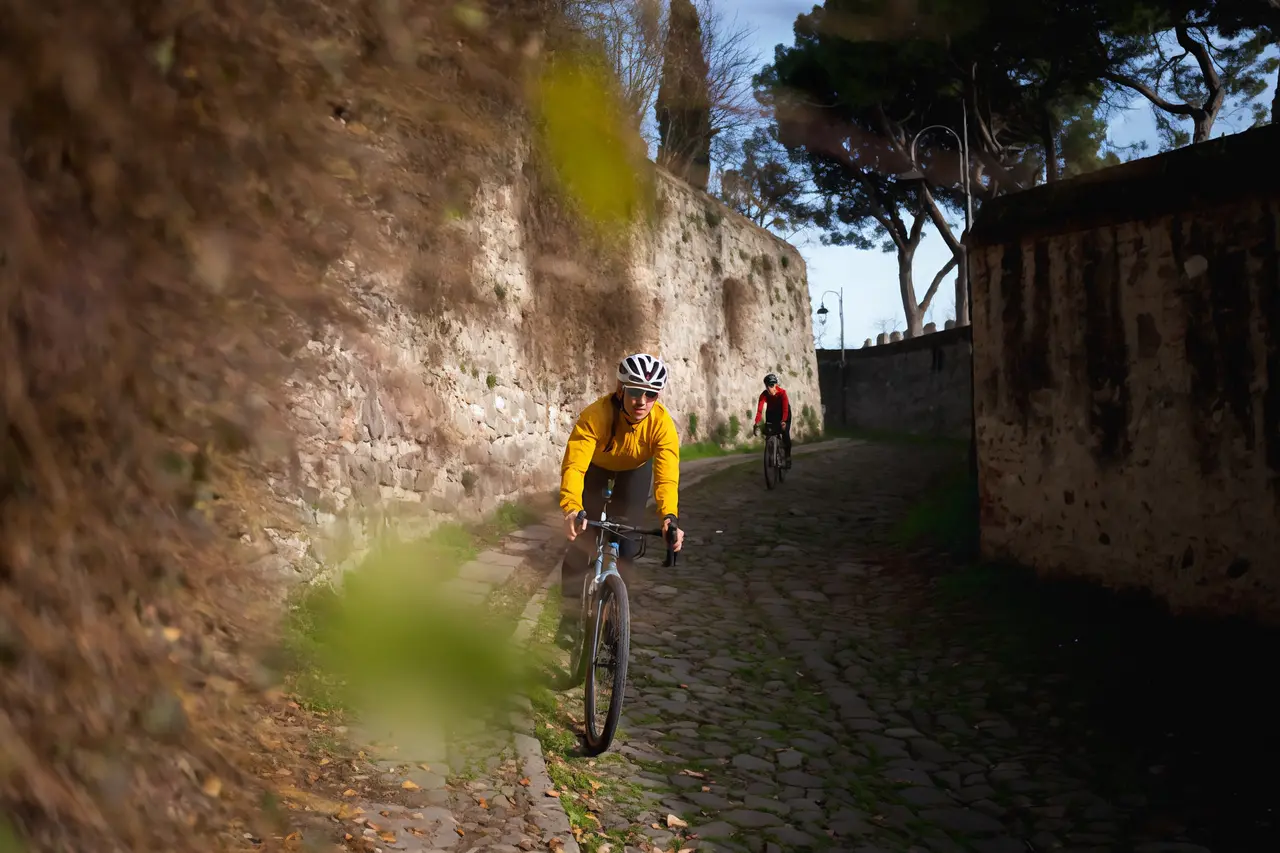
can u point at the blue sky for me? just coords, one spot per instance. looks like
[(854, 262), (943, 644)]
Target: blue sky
[(869, 279)]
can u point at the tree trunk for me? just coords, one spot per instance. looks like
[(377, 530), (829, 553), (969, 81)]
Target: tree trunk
[(1049, 131), (962, 290), (906, 285), (1275, 102)]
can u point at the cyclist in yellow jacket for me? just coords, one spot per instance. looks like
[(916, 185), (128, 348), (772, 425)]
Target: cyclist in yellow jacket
[(630, 436)]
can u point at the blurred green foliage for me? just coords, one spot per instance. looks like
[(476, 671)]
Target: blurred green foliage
[(588, 139), (395, 638)]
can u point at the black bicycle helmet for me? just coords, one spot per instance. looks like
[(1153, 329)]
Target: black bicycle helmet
[(770, 380)]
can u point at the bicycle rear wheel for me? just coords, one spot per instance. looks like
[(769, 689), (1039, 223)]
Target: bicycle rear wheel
[(609, 650), (781, 464), (770, 459)]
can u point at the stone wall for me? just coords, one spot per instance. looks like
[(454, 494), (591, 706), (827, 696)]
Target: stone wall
[(449, 413), (919, 386), (1127, 362)]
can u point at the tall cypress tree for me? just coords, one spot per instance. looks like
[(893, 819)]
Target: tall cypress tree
[(684, 99)]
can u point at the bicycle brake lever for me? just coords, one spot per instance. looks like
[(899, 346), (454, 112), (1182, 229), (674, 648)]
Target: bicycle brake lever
[(672, 555)]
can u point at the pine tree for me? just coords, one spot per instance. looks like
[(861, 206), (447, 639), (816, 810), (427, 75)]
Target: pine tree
[(684, 100)]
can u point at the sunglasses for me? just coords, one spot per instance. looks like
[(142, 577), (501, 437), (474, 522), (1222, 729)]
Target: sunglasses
[(637, 393)]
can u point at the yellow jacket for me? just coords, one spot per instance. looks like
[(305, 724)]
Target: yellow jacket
[(653, 438)]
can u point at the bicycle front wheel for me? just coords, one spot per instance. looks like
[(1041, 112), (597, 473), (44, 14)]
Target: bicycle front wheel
[(609, 650), (770, 457), (781, 464)]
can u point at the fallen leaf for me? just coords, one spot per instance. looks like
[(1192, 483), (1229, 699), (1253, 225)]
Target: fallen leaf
[(212, 787), (684, 687), (413, 830), (553, 793), (674, 822), (172, 634), (324, 761), (349, 793), (484, 804), (426, 767), (346, 836), (577, 833), (687, 850), (410, 785), (347, 811), (416, 815), (389, 837), (706, 789), (524, 782), (595, 786), (294, 798), (459, 831), (555, 844), (604, 848), (293, 836), (694, 773)]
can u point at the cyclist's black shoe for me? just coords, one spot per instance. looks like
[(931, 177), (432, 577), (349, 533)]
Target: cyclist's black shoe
[(567, 632)]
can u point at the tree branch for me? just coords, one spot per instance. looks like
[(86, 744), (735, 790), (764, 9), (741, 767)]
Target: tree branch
[(917, 225), (1150, 94), (1212, 80), (937, 280)]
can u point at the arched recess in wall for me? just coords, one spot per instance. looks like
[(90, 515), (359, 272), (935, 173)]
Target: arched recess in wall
[(737, 302)]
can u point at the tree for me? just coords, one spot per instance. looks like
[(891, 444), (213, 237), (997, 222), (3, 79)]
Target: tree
[(633, 34), (684, 101), (1189, 60), (731, 62), (829, 105), (762, 185)]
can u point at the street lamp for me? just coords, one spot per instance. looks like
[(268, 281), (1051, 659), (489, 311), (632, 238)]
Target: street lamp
[(917, 173), (822, 312)]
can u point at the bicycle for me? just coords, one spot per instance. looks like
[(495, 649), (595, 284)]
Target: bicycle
[(606, 621), (775, 458)]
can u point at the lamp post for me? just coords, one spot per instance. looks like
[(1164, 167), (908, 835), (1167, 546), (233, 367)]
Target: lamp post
[(963, 142), (918, 173), (822, 312)]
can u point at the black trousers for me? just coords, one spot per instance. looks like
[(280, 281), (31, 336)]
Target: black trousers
[(784, 434), (630, 495)]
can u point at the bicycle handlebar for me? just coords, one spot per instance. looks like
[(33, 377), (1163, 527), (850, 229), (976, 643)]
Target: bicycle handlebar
[(625, 530)]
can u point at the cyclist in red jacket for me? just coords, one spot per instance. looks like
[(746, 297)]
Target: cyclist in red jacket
[(776, 409)]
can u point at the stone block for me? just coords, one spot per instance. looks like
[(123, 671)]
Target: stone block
[(494, 574)]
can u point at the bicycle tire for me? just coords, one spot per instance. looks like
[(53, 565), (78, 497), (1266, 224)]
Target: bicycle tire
[(613, 592), (770, 469), (782, 463)]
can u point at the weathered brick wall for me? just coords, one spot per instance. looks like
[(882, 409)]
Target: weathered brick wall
[(919, 386), (1127, 364)]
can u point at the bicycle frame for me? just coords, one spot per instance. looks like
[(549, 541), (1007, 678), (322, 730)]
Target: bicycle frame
[(605, 563), (607, 555)]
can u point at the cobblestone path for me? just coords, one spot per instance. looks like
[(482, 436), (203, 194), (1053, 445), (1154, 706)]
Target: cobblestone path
[(794, 687), (482, 789)]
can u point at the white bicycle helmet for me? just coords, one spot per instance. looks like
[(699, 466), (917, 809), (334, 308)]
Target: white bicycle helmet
[(643, 371)]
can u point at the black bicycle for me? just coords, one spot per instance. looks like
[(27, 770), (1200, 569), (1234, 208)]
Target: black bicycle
[(775, 458), (604, 628)]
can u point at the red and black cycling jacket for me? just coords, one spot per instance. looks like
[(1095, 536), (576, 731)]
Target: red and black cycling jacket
[(775, 404)]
